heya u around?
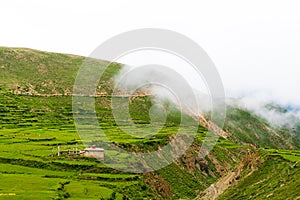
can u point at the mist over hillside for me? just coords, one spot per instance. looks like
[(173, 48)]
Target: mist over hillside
[(277, 115), (131, 78), (37, 117)]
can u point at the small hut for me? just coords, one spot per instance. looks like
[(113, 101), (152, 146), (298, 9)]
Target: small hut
[(93, 152)]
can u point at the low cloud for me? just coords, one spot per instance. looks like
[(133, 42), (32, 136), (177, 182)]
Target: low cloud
[(276, 114), (165, 83), (171, 85)]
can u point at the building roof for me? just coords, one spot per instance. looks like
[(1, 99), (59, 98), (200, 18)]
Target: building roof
[(94, 149)]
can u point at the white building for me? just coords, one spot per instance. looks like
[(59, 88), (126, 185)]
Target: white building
[(93, 152)]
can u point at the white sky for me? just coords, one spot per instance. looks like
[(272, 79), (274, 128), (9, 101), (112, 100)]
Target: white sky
[(254, 44)]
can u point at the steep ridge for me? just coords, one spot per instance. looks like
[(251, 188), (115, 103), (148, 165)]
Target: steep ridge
[(250, 161), (275, 178)]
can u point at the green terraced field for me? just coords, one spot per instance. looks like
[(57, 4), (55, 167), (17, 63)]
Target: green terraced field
[(32, 127)]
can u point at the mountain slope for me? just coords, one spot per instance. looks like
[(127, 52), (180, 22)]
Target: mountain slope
[(34, 124), (275, 178), (245, 127), (24, 71), (36, 116)]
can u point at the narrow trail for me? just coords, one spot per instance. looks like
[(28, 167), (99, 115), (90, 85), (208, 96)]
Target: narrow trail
[(217, 188), (82, 95)]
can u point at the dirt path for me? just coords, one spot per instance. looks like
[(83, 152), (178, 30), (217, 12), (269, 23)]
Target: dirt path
[(82, 95), (216, 189)]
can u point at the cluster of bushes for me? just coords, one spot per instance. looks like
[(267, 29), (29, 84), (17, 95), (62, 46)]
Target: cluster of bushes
[(61, 191)]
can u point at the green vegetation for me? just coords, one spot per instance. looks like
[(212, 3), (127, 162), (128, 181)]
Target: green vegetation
[(32, 128), (29, 141), (19, 69), (276, 178), (36, 117), (291, 155), (249, 128)]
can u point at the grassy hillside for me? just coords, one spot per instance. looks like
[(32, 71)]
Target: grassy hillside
[(24, 70), (32, 128), (246, 127), (36, 117), (30, 71), (276, 178)]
